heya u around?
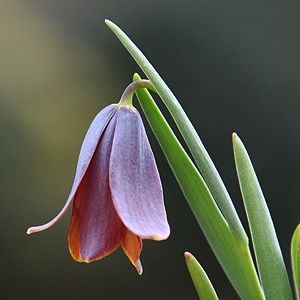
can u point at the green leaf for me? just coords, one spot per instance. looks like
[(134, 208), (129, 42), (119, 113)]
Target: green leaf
[(202, 283), (233, 256), (271, 267), (202, 159), (295, 253)]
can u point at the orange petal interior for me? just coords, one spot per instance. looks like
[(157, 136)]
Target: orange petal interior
[(132, 246)]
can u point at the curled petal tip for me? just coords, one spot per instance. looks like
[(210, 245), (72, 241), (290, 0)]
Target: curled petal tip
[(163, 235), (31, 230), (139, 267), (34, 229), (157, 237)]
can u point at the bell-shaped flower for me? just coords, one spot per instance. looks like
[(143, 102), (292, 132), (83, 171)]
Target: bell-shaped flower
[(117, 193)]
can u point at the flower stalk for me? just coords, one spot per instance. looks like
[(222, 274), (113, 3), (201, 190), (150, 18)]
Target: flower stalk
[(126, 98)]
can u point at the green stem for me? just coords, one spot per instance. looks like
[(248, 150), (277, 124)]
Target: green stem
[(126, 98)]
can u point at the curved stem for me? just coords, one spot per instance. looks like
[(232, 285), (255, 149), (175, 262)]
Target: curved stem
[(126, 98)]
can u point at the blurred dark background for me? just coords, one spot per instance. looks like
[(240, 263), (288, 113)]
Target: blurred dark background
[(233, 65)]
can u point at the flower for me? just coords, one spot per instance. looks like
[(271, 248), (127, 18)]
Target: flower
[(117, 192)]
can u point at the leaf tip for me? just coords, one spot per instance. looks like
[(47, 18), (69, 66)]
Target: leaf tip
[(136, 77), (236, 141), (188, 256), (109, 23), (234, 136)]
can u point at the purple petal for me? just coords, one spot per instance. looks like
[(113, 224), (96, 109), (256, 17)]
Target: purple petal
[(90, 143), (96, 229), (87, 150), (134, 179)]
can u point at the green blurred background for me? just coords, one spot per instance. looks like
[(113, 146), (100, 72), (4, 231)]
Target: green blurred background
[(234, 66)]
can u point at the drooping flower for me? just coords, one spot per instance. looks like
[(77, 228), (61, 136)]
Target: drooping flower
[(117, 193)]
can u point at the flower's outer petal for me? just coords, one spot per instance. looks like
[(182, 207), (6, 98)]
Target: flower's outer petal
[(87, 150), (96, 229), (132, 246), (134, 179)]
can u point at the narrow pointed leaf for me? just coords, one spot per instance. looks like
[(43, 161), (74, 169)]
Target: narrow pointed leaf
[(271, 267), (201, 281), (233, 256), (202, 159), (295, 253)]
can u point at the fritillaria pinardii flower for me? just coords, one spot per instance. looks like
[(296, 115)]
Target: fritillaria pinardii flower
[(117, 193)]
